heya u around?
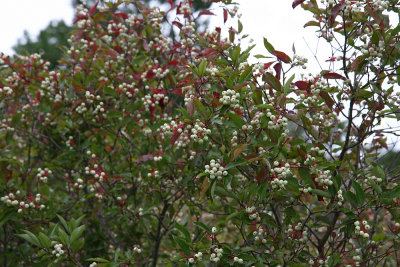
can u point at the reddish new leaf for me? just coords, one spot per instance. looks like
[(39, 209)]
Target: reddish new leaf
[(178, 24), (297, 2), (205, 12), (225, 15), (190, 108), (172, 5), (333, 75), (328, 100), (122, 15), (302, 85), (278, 69), (93, 9), (174, 137), (282, 56), (334, 12)]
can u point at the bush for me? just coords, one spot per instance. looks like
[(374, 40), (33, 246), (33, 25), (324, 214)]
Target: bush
[(141, 150)]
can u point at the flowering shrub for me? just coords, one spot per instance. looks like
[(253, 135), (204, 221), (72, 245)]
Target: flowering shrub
[(142, 151)]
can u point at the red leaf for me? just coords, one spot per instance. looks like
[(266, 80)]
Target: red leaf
[(122, 15), (205, 12), (209, 53), (332, 75), (281, 56), (302, 85), (178, 24), (225, 15), (174, 137), (93, 9), (78, 18), (334, 12), (267, 65), (216, 95), (172, 5), (278, 69), (173, 62), (190, 107), (297, 2)]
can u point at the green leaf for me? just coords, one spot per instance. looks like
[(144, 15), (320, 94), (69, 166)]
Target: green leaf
[(246, 73), (376, 187), (63, 237), (286, 87), (305, 176), (266, 106), (203, 226), (350, 197), (7, 216), (77, 233), (395, 192), (320, 193), (268, 46), (182, 244), (273, 82), (236, 119), (235, 164), (200, 108), (202, 67), (184, 231), (30, 237), (98, 260), (110, 91), (64, 223), (44, 240), (360, 195)]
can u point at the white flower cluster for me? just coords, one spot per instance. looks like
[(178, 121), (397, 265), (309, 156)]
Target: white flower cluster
[(280, 173), (189, 93), (299, 61), (306, 189), (69, 143), (381, 4), (276, 122), (259, 235), (137, 250), (215, 170), (355, 8), (294, 234), (253, 214), (7, 90), (199, 132), (324, 178), (231, 98), (372, 51), (58, 250), (216, 254), (90, 97), (81, 108), (43, 174), (340, 197), (128, 89), (198, 256), (192, 155), (11, 200), (360, 232), (79, 183), (234, 138), (238, 260), (152, 101), (256, 121), (395, 100), (154, 174)]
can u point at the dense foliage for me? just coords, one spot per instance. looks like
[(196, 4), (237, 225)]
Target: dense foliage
[(140, 150)]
